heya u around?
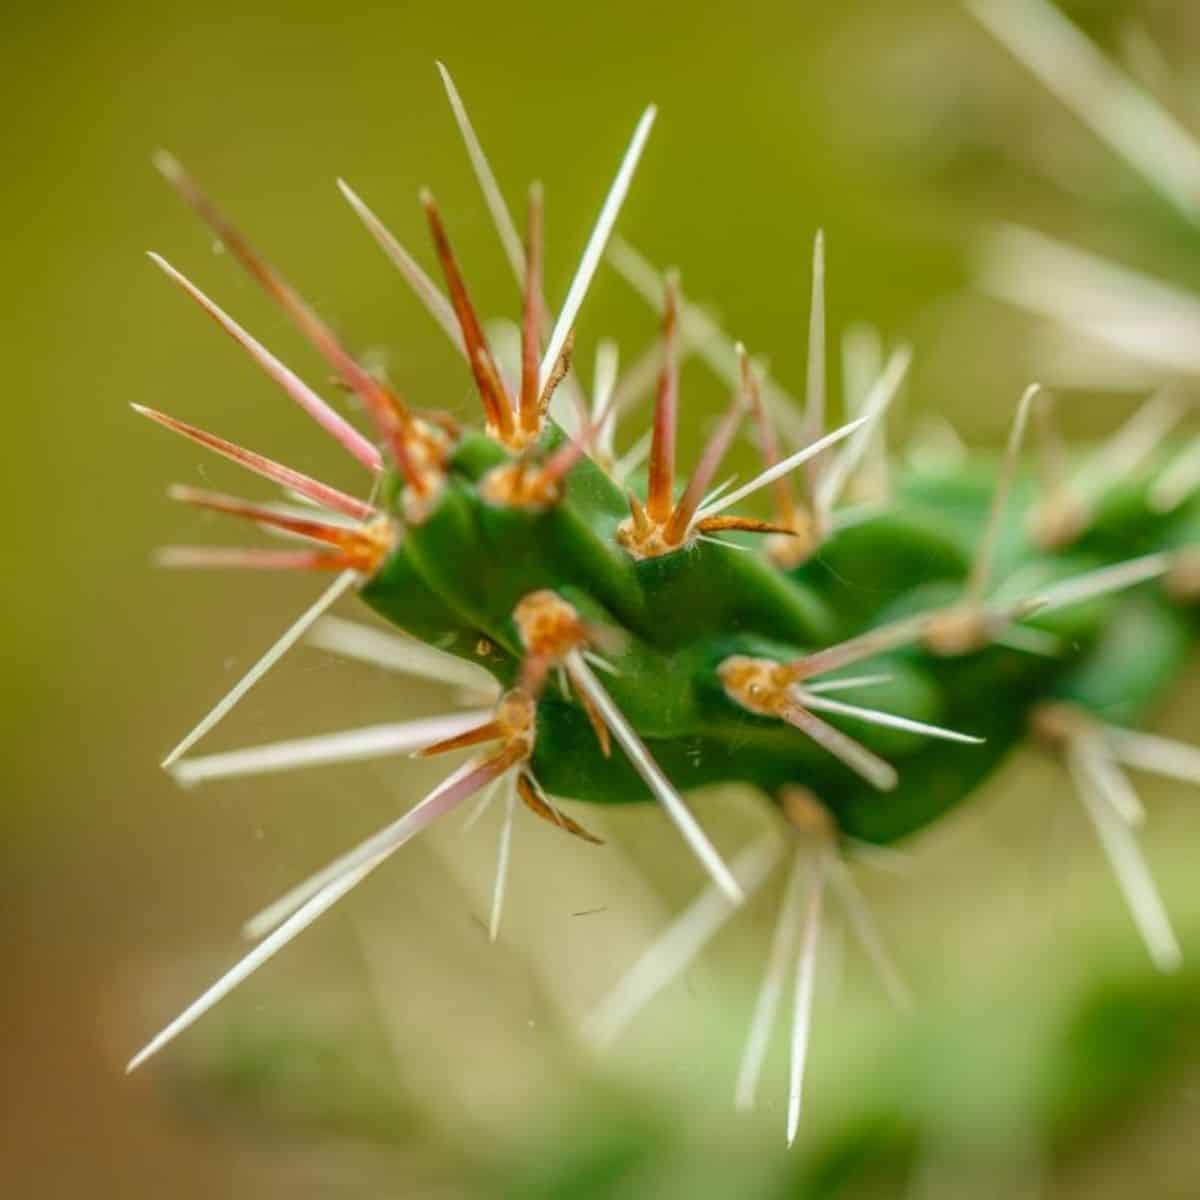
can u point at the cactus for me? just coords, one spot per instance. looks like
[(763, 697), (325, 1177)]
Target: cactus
[(865, 656)]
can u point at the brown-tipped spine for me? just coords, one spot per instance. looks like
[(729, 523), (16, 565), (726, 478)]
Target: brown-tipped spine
[(319, 493), (531, 317), (710, 459), (535, 800), (364, 547), (661, 478), (490, 731), (497, 406)]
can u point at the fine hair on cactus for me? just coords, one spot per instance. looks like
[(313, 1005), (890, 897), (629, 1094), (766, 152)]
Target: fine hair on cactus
[(858, 635)]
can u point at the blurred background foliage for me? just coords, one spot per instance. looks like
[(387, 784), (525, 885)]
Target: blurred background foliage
[(392, 1051)]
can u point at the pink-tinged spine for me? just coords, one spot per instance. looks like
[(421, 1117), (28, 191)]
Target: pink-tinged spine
[(252, 559), (296, 481), (333, 423)]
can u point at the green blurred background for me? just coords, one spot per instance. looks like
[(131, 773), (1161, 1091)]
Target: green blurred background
[(392, 1051)]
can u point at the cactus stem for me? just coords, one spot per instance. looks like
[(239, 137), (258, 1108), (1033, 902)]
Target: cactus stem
[(284, 477), (335, 425), (454, 579), (329, 886), (290, 637)]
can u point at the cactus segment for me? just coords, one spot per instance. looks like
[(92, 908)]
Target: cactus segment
[(864, 666), (466, 525)]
